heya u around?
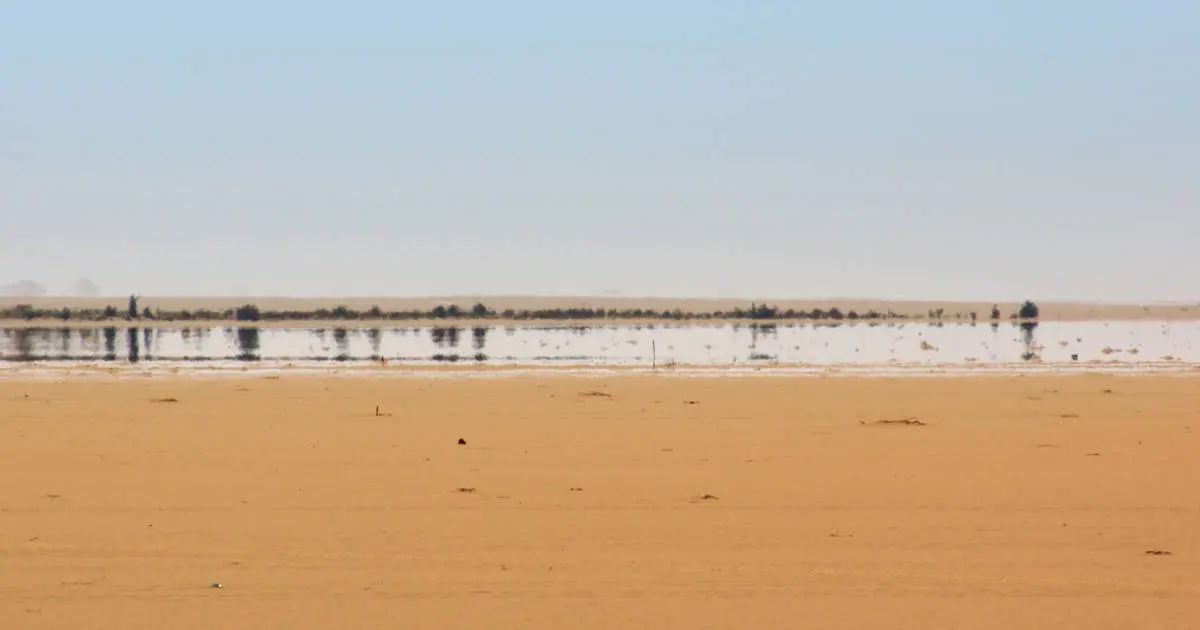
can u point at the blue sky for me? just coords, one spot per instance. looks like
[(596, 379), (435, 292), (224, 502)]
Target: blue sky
[(952, 150)]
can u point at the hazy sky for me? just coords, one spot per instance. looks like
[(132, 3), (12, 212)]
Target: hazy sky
[(919, 149)]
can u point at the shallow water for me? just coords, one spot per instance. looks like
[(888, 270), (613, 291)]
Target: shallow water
[(1066, 345)]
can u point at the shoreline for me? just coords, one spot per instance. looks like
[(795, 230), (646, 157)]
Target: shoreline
[(157, 370), (500, 322), (696, 311)]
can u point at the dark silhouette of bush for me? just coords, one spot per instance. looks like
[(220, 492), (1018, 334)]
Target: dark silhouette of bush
[(995, 312), (22, 311), (247, 313), (762, 311), (1028, 310), (251, 313)]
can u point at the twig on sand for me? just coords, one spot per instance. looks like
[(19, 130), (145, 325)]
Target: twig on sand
[(164, 400), (910, 421)]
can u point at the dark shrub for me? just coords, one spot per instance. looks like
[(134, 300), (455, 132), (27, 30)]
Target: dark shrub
[(247, 313)]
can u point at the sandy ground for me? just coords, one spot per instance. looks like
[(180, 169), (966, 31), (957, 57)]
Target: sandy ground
[(1022, 502), (1067, 311)]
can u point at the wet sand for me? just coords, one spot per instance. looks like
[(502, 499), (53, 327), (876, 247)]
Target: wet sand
[(989, 502)]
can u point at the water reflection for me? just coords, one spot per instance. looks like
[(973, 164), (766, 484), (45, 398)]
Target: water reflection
[(444, 337), (247, 343), (110, 343), (759, 344), (375, 336), (131, 337), (1027, 330), (342, 342)]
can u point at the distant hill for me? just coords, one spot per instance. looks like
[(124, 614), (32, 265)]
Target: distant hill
[(23, 288), (85, 288)]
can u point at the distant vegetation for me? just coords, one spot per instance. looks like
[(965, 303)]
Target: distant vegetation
[(252, 313)]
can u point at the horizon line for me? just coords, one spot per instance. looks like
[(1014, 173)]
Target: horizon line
[(480, 297)]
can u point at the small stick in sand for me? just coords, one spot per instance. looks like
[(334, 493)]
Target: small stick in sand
[(904, 421)]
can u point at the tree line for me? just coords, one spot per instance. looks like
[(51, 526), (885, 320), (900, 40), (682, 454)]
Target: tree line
[(480, 311)]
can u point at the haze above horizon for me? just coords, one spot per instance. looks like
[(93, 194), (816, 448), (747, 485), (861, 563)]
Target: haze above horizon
[(922, 150)]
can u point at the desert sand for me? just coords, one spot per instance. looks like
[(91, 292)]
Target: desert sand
[(616, 502), (1050, 310)]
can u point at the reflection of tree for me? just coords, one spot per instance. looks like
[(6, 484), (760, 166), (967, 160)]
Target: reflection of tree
[(761, 330), (444, 336), (342, 341), (1027, 330), (147, 342), (22, 343), (131, 339), (64, 341), (87, 339), (375, 336), (479, 337), (110, 343), (247, 340)]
